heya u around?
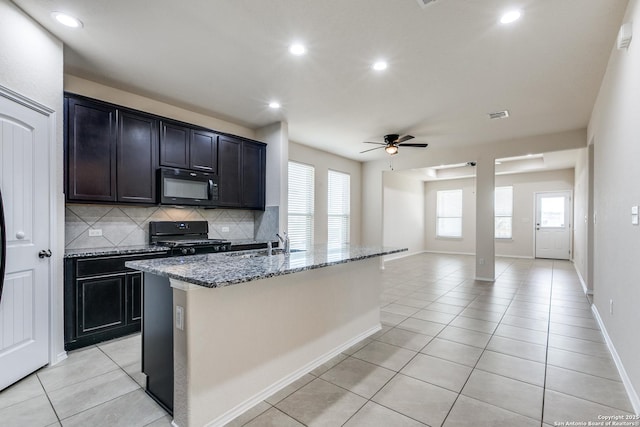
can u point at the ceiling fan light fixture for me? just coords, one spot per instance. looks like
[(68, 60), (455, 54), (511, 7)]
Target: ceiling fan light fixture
[(391, 149)]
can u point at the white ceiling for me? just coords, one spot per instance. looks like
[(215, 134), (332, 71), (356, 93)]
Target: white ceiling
[(450, 63)]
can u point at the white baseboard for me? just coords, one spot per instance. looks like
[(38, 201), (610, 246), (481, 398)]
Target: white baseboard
[(631, 392), (485, 279), (582, 281), (289, 379), (515, 256), (59, 358), (449, 253)]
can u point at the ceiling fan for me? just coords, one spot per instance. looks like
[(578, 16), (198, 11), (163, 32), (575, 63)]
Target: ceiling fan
[(392, 142)]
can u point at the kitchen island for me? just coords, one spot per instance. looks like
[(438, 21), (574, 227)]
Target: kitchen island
[(246, 324)]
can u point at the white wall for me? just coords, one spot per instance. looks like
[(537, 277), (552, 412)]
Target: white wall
[(31, 60), (403, 212), (525, 185), (581, 215), (322, 162), (616, 134)]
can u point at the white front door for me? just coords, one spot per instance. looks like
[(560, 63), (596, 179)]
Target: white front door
[(24, 183), (553, 225)]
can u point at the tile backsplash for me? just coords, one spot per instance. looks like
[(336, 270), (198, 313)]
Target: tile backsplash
[(129, 226)]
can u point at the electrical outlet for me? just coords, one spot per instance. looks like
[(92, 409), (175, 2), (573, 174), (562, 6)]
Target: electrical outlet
[(481, 261), (611, 307), (225, 229), (95, 232), (180, 317)]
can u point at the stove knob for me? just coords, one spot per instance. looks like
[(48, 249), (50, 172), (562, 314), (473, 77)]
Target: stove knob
[(192, 251), (183, 251), (216, 248)]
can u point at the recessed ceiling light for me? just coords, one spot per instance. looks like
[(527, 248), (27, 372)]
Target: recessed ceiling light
[(274, 104), (511, 16), (67, 20), (297, 49), (379, 65)]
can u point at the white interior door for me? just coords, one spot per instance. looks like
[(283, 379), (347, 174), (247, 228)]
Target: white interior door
[(553, 225), (24, 182)]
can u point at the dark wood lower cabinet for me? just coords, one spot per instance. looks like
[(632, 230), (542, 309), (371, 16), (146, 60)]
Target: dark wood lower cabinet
[(102, 299), (101, 304)]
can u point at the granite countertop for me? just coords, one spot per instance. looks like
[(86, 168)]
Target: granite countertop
[(122, 250), (217, 270)]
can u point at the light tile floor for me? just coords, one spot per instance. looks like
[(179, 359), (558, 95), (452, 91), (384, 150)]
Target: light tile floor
[(524, 351)]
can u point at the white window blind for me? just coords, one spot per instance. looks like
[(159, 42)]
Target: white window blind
[(339, 208), (300, 219), (449, 213), (504, 212)]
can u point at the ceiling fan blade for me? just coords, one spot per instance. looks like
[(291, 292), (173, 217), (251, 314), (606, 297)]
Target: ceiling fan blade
[(378, 143), (404, 138), (415, 145), (371, 149)]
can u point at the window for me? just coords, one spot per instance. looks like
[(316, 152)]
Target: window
[(300, 220), (449, 213), (504, 212), (339, 209)]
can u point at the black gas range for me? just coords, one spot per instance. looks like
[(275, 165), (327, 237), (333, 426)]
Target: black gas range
[(185, 237)]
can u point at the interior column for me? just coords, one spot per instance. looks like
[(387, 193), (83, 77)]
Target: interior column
[(485, 222)]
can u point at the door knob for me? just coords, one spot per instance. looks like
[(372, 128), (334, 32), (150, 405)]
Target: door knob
[(44, 254)]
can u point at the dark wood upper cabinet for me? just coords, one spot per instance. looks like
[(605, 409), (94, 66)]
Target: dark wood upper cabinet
[(91, 151), (137, 148), (204, 151), (174, 145), (253, 175), (112, 155), (229, 171)]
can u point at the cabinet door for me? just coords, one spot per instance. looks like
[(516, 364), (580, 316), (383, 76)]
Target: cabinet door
[(100, 304), (229, 171), (134, 297), (91, 151), (204, 151), (137, 157), (174, 145), (253, 175)]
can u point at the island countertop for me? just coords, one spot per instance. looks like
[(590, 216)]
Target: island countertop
[(224, 269)]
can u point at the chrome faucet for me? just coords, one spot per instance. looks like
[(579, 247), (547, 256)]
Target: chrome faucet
[(285, 242)]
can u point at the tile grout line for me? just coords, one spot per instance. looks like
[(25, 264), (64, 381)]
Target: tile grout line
[(55, 412), (546, 353)]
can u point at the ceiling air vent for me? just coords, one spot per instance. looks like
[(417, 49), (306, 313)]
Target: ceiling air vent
[(424, 3), (499, 115)]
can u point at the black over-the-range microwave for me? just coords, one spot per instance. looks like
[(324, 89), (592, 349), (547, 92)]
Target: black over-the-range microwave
[(187, 187)]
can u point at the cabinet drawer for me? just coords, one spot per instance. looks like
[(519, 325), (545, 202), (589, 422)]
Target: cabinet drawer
[(109, 265)]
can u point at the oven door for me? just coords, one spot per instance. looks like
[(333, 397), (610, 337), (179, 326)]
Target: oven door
[(186, 187)]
